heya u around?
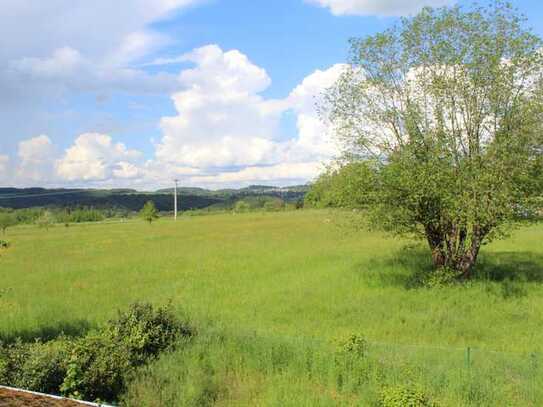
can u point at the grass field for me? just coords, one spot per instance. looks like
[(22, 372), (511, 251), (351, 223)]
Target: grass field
[(270, 294)]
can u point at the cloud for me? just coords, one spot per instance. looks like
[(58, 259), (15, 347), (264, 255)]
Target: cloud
[(222, 120), (225, 128), (99, 28), (82, 47), (378, 7), (95, 157), (66, 69), (314, 140), (225, 131), (35, 157), (126, 170)]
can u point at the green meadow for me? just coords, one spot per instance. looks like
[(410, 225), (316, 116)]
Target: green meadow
[(272, 296)]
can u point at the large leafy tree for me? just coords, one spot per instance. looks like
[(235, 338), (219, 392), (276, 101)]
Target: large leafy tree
[(445, 110)]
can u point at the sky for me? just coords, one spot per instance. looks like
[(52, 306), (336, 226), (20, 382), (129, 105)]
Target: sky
[(215, 93)]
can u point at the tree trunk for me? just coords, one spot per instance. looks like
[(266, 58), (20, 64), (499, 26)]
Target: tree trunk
[(449, 249), (435, 242), (469, 258)]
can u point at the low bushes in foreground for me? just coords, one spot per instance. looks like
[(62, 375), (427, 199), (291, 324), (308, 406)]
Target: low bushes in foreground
[(98, 365)]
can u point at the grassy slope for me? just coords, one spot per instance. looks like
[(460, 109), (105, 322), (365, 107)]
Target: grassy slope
[(288, 275)]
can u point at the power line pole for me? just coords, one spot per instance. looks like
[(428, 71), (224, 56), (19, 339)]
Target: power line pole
[(175, 200)]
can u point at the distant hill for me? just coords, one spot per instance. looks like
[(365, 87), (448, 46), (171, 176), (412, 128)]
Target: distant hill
[(189, 198)]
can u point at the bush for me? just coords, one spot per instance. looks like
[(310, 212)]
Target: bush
[(97, 369), (46, 366), (404, 396), (98, 365), (12, 358), (37, 366), (101, 364), (4, 244), (145, 332)]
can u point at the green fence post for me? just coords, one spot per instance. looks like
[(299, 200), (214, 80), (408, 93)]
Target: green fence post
[(468, 357)]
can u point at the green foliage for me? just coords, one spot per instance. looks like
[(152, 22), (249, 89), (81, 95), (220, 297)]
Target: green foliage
[(146, 331), (404, 396), (149, 212), (97, 369), (4, 244), (7, 219), (426, 104), (27, 216), (36, 366), (100, 364), (351, 186), (96, 366), (241, 206), (80, 215)]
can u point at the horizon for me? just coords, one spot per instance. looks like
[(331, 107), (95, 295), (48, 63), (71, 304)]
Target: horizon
[(217, 94)]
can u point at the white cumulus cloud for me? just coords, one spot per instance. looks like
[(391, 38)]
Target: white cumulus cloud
[(35, 159), (222, 118), (226, 130), (378, 7), (95, 157)]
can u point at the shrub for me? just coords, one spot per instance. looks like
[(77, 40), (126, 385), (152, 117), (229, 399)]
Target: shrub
[(404, 396), (36, 366), (101, 364), (12, 358), (46, 366), (97, 369), (146, 331), (98, 365), (4, 244)]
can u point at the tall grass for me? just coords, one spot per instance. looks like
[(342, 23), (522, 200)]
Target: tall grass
[(279, 288)]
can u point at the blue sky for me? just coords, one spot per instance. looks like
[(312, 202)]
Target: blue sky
[(136, 92)]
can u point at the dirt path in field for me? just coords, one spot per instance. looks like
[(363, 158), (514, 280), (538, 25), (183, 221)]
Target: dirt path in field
[(15, 398)]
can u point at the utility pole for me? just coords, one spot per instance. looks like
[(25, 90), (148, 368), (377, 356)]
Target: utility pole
[(175, 199)]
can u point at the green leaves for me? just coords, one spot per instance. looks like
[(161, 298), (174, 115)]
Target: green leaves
[(448, 105), (149, 212)]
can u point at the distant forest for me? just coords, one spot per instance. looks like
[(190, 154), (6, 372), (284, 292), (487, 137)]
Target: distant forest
[(132, 200)]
